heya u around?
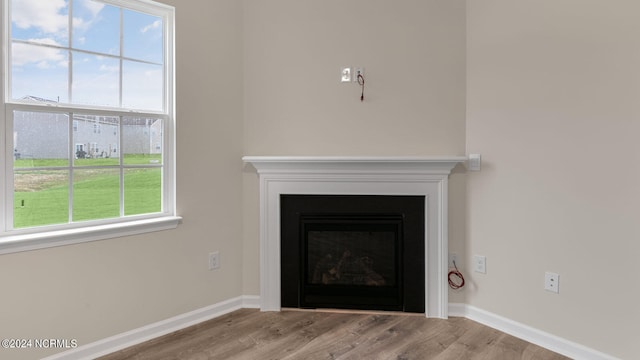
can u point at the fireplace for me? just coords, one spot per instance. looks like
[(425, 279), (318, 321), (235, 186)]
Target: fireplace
[(426, 177), (353, 252)]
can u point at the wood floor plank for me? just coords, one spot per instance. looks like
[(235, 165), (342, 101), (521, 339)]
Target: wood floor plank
[(291, 335), (474, 342), (434, 338), (393, 339), (344, 339), (533, 352)]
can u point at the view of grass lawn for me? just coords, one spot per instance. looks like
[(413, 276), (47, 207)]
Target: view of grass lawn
[(129, 159), (142, 191), (41, 196), (46, 206)]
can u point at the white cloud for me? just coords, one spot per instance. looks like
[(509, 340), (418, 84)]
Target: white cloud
[(47, 16), (43, 65), (113, 69), (93, 6), (155, 25), (44, 57), (92, 11), (79, 23)]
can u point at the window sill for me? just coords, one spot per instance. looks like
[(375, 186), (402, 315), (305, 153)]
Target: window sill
[(18, 243)]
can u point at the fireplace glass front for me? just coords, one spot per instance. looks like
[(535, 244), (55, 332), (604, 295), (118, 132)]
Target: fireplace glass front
[(351, 261), (353, 252)]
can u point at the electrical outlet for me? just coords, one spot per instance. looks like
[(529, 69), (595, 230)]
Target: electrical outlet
[(480, 264), (552, 282), (358, 71), (453, 257), (214, 260)]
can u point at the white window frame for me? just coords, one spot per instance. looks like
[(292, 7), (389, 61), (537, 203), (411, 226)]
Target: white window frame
[(16, 240)]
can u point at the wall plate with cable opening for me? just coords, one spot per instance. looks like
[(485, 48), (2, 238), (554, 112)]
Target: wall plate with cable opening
[(453, 257), (345, 74)]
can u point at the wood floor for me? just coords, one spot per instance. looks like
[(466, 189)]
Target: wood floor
[(251, 334)]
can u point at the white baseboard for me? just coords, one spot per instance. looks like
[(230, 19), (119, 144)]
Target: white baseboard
[(137, 336), (251, 301), (527, 333)]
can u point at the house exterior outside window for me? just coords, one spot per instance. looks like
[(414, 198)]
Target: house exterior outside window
[(88, 95)]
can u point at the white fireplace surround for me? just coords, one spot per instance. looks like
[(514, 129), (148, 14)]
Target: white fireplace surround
[(339, 175)]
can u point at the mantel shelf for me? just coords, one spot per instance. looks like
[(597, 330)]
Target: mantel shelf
[(423, 164)]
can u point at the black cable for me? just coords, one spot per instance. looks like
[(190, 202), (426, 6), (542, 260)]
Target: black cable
[(361, 83)]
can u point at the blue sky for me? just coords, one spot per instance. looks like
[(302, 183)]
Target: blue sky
[(90, 51)]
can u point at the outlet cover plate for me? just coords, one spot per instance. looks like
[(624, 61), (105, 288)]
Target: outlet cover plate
[(480, 264), (214, 260), (552, 282)]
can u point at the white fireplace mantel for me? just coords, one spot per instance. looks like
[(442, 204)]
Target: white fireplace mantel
[(307, 164), (341, 175)]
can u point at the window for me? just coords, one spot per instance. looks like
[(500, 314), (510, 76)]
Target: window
[(88, 96)]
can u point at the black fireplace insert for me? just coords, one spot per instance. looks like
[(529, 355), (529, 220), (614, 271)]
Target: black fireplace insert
[(353, 251)]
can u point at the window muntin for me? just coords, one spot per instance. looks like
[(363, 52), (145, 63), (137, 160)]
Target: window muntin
[(96, 86)]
